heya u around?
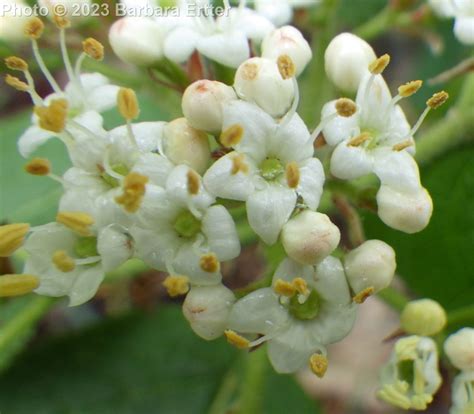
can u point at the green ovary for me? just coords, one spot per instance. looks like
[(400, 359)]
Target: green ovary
[(307, 310), (186, 225), (406, 370), (121, 169), (86, 247), (271, 169)]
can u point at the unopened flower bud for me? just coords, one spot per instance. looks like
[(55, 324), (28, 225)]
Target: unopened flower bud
[(310, 237), (288, 41), (424, 317), (258, 80), (407, 212), (207, 310), (183, 144), (137, 40), (202, 104), (370, 268), (346, 61), (459, 348)]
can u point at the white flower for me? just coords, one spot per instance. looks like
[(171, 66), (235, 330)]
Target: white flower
[(288, 41), (463, 12), (459, 348), (258, 80), (207, 310), (280, 12), (271, 166), (346, 61), (74, 265), (179, 230), (307, 309), (378, 139), (411, 377), (463, 393), (12, 20)]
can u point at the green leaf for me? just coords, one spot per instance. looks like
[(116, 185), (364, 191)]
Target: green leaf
[(438, 262), (143, 363)]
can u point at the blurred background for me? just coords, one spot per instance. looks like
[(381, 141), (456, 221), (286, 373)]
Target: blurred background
[(130, 350)]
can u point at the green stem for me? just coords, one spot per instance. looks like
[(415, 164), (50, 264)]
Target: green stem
[(393, 298), (251, 397), (224, 394), (461, 317)]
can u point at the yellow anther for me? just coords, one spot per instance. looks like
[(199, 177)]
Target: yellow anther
[(133, 192), (249, 71), (363, 295), (402, 145), (16, 83), (34, 28), (78, 222), (63, 261), (16, 63), (53, 117), (410, 88), (301, 286), (16, 285), (286, 67), (12, 237), (239, 164), (379, 65), (209, 263), (194, 182), (292, 173), (318, 364), (284, 288), (128, 104), (61, 22), (359, 139), (232, 135), (237, 340), (176, 285), (93, 48), (38, 166), (346, 107), (437, 100)]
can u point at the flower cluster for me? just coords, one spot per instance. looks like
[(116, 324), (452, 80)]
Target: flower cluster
[(149, 190)]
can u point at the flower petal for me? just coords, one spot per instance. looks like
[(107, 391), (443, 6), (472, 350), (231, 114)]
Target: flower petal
[(147, 134), (268, 210), (288, 270), (219, 229), (311, 182), (32, 139), (330, 282), (349, 162), (228, 48), (340, 128), (180, 44), (155, 167), (114, 248), (254, 25), (86, 284)]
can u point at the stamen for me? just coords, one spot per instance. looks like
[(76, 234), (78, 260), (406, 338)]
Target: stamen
[(176, 285), (38, 166), (249, 71), (318, 364), (12, 237), (237, 340), (294, 106), (402, 145), (34, 28), (284, 288), (292, 173), (93, 48), (61, 22), (346, 107), (359, 139), (437, 100), (378, 65), (232, 136), (16, 63), (239, 164), (63, 261), (194, 182), (17, 285), (78, 222), (128, 104), (53, 117), (133, 192), (286, 67), (16, 83), (301, 286), (209, 263), (409, 88), (363, 295)]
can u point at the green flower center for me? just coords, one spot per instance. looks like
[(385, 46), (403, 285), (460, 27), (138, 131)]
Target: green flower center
[(86, 247), (406, 370), (121, 169), (307, 310), (271, 168), (186, 225)]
